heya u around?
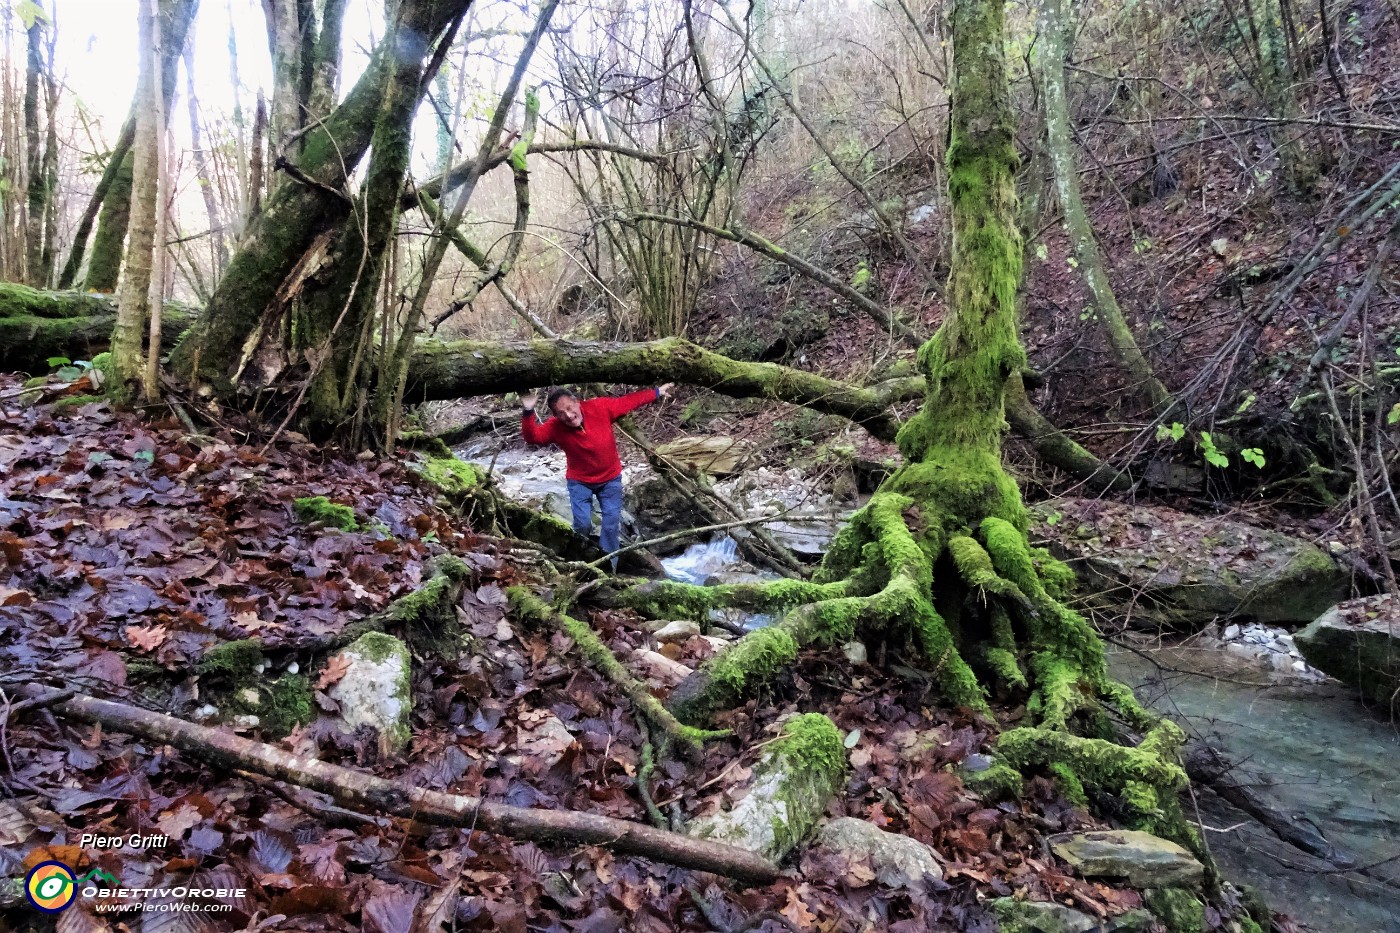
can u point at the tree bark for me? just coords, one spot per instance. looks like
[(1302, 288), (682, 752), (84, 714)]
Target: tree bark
[(465, 368), (1121, 343), (133, 298), (365, 792)]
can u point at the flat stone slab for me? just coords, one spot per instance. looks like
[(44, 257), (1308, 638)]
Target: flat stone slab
[(1178, 571), (1147, 861), (1049, 917), (1358, 642), (898, 861)]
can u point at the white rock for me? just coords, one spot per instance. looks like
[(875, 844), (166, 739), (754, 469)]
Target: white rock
[(375, 689), (250, 696), (293, 668), (246, 722), (855, 653), (1300, 666), (679, 630), (206, 712), (899, 861), (1232, 632), (717, 643), (660, 667)]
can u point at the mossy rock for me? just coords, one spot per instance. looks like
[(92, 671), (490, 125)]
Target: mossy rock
[(1048, 917), (791, 786), (1181, 572), (375, 690), (322, 511)]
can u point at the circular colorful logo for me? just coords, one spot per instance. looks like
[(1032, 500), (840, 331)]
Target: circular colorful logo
[(50, 886)]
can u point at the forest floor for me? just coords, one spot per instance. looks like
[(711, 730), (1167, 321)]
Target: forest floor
[(131, 548)]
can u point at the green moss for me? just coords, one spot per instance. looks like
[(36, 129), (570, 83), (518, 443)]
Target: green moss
[(289, 703), (235, 659), (760, 654), (1070, 784), (377, 646), (999, 782), (319, 509), (1178, 909), (73, 401), (813, 741), (35, 381), (451, 475), (102, 362)]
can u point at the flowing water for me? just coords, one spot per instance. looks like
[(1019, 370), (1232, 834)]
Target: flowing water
[(1316, 752)]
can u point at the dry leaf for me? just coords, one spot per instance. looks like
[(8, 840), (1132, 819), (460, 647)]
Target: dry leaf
[(147, 637), (176, 821), (335, 669)]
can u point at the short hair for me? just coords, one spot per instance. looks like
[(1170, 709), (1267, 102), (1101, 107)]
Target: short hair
[(556, 395)]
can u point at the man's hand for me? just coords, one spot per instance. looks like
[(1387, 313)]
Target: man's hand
[(529, 400), (664, 391)]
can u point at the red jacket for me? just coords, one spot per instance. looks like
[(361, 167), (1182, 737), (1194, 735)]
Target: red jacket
[(590, 450)]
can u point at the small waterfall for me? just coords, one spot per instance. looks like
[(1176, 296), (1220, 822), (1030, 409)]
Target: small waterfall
[(697, 562)]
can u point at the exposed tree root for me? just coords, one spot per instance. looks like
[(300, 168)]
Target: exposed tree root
[(367, 793), (687, 739)]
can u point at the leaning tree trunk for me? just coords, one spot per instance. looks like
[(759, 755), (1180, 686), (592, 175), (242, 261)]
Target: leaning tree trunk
[(312, 202), (1121, 344), (938, 566)]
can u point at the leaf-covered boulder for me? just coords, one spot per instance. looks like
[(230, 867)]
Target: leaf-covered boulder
[(1358, 642), (1145, 860), (1160, 568)]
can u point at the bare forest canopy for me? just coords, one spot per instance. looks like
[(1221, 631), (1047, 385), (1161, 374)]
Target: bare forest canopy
[(984, 252)]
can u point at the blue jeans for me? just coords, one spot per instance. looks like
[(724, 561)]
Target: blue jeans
[(609, 500)]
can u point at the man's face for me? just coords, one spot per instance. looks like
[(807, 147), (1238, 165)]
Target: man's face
[(567, 411)]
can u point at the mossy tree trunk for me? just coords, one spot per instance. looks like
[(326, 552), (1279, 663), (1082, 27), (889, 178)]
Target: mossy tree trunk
[(1122, 345), (310, 203), (938, 565)]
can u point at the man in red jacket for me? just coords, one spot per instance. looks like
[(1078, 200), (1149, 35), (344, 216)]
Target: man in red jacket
[(584, 431)]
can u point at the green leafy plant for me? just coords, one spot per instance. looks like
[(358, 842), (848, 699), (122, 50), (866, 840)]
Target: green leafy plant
[(1253, 455), (1212, 453), (1394, 414), (1173, 432)]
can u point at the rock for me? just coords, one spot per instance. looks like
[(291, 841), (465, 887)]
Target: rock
[(719, 643), (547, 742), (1049, 917), (375, 689), (1179, 571), (787, 793), (1144, 859), (806, 537), (661, 668), (898, 861), (855, 652), (721, 577), (657, 508), (716, 455), (1358, 642), (679, 630)]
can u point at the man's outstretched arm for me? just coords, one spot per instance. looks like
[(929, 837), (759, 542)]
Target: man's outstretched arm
[(530, 427), (623, 404)]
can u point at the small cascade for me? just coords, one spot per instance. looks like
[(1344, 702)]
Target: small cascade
[(699, 561)]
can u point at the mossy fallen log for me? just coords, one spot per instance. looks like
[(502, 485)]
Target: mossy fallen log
[(37, 325)]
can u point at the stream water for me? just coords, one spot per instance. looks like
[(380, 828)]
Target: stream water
[(1318, 754)]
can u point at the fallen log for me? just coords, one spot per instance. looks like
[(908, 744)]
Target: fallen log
[(463, 368), (37, 325), (367, 793)]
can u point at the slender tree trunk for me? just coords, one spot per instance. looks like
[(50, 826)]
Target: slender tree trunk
[(39, 191), (133, 297), (1121, 343), (107, 247), (202, 174), (159, 167), (97, 202)]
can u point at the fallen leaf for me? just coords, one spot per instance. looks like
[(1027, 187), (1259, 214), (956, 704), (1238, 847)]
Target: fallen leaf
[(147, 637), (334, 670)]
